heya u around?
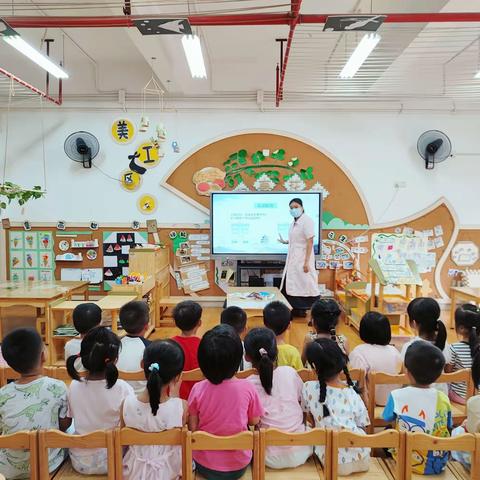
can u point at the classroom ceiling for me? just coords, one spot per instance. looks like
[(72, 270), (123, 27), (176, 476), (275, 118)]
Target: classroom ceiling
[(413, 61)]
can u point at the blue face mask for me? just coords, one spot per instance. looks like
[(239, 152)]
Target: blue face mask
[(295, 212)]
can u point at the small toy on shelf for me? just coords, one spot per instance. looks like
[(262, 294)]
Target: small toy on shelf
[(133, 278)]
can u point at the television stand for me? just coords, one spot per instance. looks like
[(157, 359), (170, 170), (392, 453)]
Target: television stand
[(262, 266)]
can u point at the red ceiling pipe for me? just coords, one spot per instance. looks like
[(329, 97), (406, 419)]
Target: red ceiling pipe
[(228, 20), (295, 13), (30, 87)]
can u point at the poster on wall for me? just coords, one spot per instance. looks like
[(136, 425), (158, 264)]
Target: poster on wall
[(31, 256), (116, 246)]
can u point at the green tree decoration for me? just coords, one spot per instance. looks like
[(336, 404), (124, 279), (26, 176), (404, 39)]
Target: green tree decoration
[(11, 192), (240, 164)]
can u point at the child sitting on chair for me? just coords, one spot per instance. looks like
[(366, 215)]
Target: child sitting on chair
[(33, 402), (334, 404), (222, 404), (420, 407), (155, 409), (237, 318), (280, 391)]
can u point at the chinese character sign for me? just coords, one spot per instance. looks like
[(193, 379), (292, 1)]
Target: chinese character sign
[(123, 131)]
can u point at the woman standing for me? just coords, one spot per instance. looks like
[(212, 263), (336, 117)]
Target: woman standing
[(300, 279)]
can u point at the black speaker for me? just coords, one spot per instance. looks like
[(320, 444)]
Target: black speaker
[(256, 281), (277, 282)]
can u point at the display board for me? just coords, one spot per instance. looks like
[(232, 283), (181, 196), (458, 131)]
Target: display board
[(251, 223)]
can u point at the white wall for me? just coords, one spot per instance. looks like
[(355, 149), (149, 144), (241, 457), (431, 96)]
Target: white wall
[(376, 148)]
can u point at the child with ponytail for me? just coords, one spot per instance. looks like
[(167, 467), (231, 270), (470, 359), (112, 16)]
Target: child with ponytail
[(155, 409), (465, 352), (95, 401), (325, 315), (334, 404), (280, 392)]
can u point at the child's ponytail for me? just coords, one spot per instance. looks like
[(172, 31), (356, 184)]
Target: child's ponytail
[(325, 314), (261, 350), (350, 382), (441, 338), (163, 361), (154, 387), (424, 313), (71, 370)]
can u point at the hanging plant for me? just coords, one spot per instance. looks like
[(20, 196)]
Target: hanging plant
[(11, 192)]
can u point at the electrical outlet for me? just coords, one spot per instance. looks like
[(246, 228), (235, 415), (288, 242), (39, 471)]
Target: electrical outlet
[(400, 184)]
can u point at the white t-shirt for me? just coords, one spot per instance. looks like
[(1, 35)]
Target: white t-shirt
[(94, 407), (377, 358), (36, 405), (130, 357), (72, 347)]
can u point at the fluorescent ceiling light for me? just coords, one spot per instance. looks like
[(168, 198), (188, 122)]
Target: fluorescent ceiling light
[(193, 52), (16, 41), (360, 54)]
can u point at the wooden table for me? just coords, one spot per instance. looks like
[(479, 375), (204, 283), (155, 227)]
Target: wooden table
[(465, 294), (252, 306), (38, 295), (62, 309)]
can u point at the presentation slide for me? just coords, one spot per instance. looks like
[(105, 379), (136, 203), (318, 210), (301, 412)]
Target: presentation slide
[(251, 223)]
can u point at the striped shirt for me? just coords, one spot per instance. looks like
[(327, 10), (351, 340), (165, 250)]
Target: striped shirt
[(460, 358)]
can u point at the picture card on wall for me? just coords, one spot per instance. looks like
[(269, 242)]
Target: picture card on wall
[(17, 275), (30, 240), (110, 261), (16, 240), (31, 259), (31, 275)]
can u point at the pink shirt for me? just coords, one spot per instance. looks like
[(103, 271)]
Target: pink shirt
[(377, 358), (224, 410)]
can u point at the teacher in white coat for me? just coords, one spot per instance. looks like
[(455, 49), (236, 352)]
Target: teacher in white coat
[(300, 278)]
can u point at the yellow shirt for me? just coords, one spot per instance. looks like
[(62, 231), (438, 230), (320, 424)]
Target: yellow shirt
[(289, 356)]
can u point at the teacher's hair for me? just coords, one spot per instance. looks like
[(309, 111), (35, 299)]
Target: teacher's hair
[(296, 200)]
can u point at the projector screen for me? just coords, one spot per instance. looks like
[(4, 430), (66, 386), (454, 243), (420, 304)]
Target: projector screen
[(244, 223)]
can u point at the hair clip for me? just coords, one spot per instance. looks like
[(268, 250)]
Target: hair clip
[(154, 367), (262, 352)]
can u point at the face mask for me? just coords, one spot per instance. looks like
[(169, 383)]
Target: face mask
[(295, 212)]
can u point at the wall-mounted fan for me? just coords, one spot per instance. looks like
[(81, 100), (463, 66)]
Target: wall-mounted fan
[(434, 147), (82, 147)]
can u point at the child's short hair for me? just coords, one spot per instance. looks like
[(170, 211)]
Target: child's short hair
[(99, 353), (134, 316), (235, 317), (86, 316), (22, 349), (277, 317), (163, 360), (220, 353), (375, 329), (187, 315), (424, 361), (325, 313)]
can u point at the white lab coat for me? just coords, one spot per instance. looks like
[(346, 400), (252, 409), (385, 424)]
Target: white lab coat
[(297, 282)]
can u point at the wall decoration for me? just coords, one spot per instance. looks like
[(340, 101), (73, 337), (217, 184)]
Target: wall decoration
[(93, 225), (27, 226), (147, 204), (31, 251), (208, 179), (63, 245), (91, 254), (116, 246), (241, 187), (318, 187), (175, 147), (123, 131), (146, 155), (130, 181), (264, 183), (294, 183), (61, 225), (465, 254)]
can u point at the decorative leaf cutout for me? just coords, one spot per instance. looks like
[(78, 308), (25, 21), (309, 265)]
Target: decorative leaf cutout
[(233, 156), (234, 165), (278, 154), (257, 157), (238, 178), (250, 171), (242, 154), (230, 181), (242, 160), (294, 161)]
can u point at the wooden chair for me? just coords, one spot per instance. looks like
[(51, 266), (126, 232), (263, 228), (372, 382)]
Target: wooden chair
[(23, 441), (459, 412), (246, 373), (379, 468), (356, 374), (138, 376), (7, 373), (128, 436), (205, 441), (312, 468), (56, 439), (454, 470), (60, 373), (192, 375)]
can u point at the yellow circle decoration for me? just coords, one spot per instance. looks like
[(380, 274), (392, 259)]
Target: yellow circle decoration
[(147, 156), (123, 131), (130, 181), (147, 204)]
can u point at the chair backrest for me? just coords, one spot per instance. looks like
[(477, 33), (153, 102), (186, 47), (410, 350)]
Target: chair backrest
[(61, 373), (137, 376), (246, 373), (205, 441), (129, 436), (422, 441), (56, 439), (356, 374), (385, 439), (193, 375), (7, 373), (277, 438), (23, 441)]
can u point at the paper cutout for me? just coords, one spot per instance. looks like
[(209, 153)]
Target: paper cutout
[(147, 204), (264, 183), (117, 247), (294, 184), (110, 249), (439, 243), (465, 254), (123, 238), (209, 179), (130, 180), (438, 230), (122, 131)]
